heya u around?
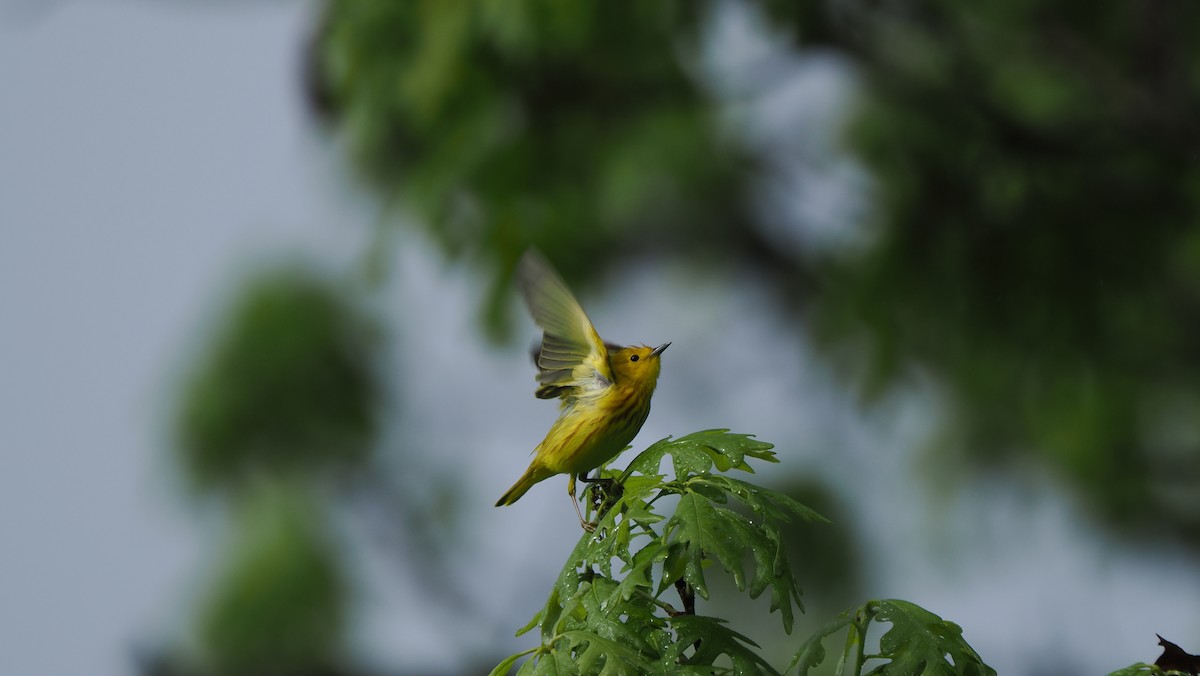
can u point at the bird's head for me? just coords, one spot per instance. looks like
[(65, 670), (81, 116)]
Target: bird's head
[(637, 364)]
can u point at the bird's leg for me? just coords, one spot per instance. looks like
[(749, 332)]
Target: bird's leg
[(586, 525)]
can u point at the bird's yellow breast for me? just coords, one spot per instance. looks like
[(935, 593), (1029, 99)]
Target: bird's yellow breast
[(592, 431)]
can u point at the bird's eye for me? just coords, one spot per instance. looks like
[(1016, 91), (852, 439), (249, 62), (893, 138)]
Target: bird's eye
[(634, 358)]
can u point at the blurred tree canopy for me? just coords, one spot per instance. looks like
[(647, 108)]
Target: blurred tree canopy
[(281, 603), (286, 396), (509, 123), (288, 387), (1034, 230), (1039, 174)]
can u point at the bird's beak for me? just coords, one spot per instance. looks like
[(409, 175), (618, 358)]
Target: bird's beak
[(659, 350)]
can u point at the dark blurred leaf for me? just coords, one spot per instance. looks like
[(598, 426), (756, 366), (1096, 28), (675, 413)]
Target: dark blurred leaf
[(812, 652)]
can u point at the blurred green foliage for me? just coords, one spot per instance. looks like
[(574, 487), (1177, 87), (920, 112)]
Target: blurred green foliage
[(288, 386), (286, 395), (1039, 189), (510, 122), (1037, 185), (280, 606)]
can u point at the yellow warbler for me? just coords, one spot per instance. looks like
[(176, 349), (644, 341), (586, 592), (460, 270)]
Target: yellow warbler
[(605, 388)]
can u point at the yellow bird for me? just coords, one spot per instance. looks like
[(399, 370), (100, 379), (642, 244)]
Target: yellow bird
[(605, 388)]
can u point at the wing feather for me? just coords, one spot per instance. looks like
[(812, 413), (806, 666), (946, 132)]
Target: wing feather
[(572, 355)]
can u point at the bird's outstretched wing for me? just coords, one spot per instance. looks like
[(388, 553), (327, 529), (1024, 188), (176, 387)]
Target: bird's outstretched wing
[(572, 356)]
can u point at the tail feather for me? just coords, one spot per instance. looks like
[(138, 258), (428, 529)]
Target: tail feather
[(528, 479)]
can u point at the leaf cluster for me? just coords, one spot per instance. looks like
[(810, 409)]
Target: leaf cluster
[(609, 613)]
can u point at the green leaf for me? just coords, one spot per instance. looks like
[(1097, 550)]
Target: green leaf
[(699, 452), (551, 663), (674, 566), (630, 623), (764, 501), (771, 568), (551, 614), (535, 621), (812, 652), (639, 572), (618, 658), (504, 666), (697, 526), (920, 642), (706, 530), (715, 640), (588, 549)]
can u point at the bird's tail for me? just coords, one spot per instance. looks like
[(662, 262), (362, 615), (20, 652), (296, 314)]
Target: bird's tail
[(531, 476)]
